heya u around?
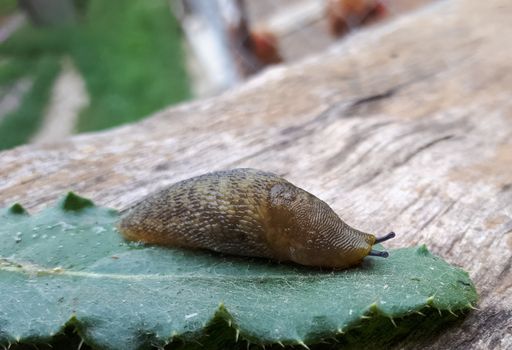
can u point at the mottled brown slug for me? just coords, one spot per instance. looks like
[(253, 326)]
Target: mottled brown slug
[(250, 213)]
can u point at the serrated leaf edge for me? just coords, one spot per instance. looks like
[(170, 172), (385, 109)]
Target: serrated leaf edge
[(74, 202)]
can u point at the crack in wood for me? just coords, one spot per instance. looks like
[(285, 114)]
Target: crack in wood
[(440, 213), (410, 204), (374, 174), (476, 328), (373, 98), (457, 239), (504, 272), (351, 144), (367, 179), (421, 149), (297, 132)]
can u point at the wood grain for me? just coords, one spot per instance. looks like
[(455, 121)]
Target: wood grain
[(406, 126)]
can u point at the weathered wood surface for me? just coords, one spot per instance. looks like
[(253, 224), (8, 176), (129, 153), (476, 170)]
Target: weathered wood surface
[(404, 127)]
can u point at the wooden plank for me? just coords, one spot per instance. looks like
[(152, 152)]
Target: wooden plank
[(405, 126)]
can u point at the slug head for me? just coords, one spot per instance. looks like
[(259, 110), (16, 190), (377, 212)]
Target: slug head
[(304, 229)]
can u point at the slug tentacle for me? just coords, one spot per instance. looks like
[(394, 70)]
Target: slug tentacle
[(380, 240), (378, 253), (250, 213), (385, 238)]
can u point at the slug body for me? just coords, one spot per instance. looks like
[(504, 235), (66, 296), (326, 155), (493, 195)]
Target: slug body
[(250, 213)]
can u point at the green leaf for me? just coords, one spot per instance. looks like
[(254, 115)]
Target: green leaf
[(66, 276)]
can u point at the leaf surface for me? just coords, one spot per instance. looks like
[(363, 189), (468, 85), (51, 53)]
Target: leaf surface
[(68, 267)]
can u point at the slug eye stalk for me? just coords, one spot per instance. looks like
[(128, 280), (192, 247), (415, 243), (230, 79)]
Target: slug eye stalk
[(380, 240), (378, 253), (385, 238)]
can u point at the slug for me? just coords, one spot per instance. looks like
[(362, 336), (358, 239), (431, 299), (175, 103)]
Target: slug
[(248, 212)]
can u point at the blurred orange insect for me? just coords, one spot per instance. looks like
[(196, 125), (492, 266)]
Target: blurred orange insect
[(344, 15), (265, 47)]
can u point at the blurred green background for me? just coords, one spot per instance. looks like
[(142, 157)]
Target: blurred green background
[(128, 52)]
